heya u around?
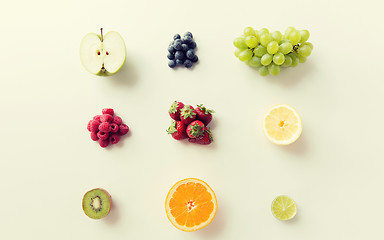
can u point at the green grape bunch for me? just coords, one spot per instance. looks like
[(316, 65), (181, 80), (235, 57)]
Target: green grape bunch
[(269, 51)]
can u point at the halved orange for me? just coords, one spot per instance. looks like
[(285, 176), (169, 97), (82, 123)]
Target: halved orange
[(191, 205)]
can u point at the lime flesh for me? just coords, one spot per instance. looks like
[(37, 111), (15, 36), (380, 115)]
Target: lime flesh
[(283, 208)]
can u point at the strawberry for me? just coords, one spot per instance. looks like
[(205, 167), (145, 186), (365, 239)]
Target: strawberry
[(204, 114), (174, 111), (195, 129), (203, 140), (187, 114), (177, 129)]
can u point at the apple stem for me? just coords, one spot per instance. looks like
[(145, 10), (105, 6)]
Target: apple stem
[(101, 30)]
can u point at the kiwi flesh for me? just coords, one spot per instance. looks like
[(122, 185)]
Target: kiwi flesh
[(97, 203)]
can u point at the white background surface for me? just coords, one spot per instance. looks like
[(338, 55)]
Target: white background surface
[(48, 161)]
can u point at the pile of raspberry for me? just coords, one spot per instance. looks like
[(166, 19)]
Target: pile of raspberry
[(107, 128), (190, 123)]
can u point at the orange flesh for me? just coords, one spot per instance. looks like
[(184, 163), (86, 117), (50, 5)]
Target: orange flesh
[(191, 204)]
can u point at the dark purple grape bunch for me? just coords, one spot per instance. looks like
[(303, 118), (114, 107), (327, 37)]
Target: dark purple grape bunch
[(181, 51)]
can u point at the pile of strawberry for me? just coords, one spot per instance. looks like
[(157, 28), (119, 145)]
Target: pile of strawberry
[(190, 123), (107, 128)]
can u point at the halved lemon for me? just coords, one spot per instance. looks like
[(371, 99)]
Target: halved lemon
[(283, 208), (190, 205), (282, 124)]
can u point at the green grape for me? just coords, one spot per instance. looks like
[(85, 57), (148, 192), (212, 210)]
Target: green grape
[(263, 71), (283, 40), (304, 35), (288, 31), (248, 31), (285, 48), (295, 60), (278, 58), (266, 59), (245, 55), (273, 69), (304, 50), (257, 35), (259, 51), (238, 51), (240, 42), (265, 39), (251, 41), (294, 37), (302, 59), (262, 31), (308, 44), (255, 62), (287, 62), (272, 47), (276, 36)]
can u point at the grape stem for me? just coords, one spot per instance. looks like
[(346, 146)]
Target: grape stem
[(253, 54), (296, 47)]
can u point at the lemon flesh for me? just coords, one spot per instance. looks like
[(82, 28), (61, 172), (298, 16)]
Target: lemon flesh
[(282, 124)]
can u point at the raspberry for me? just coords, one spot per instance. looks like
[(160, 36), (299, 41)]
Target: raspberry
[(103, 143), (114, 128), (114, 138), (105, 127), (102, 135), (108, 111), (94, 126), (117, 120), (123, 129), (89, 126), (106, 118), (97, 118), (94, 136)]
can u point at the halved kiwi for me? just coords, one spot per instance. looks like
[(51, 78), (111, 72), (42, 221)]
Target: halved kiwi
[(97, 203)]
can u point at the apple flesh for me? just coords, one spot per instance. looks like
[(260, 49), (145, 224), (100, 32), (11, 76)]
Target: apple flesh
[(102, 55)]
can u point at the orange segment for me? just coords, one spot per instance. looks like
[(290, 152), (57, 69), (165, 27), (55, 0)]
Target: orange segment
[(190, 205)]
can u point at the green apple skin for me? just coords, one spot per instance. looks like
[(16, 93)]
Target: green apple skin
[(105, 73)]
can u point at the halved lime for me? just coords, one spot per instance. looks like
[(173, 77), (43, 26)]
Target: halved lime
[(283, 208)]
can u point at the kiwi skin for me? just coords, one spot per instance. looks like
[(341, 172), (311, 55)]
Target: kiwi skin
[(109, 197)]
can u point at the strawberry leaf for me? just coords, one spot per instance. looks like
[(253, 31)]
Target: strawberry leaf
[(209, 133), (205, 110), (172, 128), (173, 108), (187, 111), (196, 130)]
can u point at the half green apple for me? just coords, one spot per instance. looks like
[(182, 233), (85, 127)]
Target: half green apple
[(102, 55)]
